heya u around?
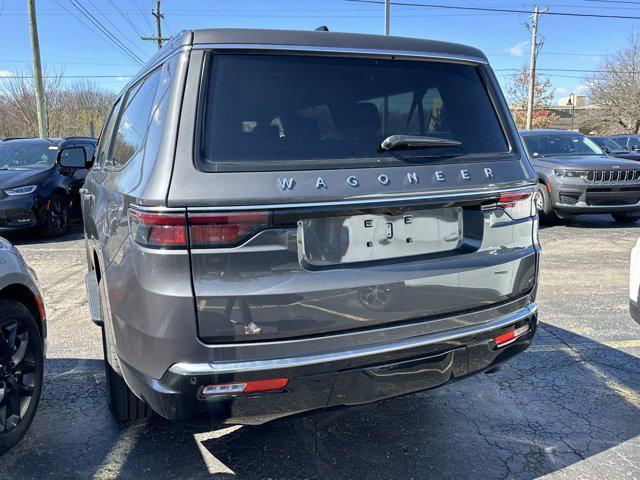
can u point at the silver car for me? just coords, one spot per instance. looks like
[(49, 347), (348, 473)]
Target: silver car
[(23, 330), (278, 222)]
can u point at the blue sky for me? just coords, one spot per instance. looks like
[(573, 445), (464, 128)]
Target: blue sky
[(72, 47)]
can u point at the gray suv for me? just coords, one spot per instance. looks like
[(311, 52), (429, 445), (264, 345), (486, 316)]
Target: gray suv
[(576, 177), (278, 222)]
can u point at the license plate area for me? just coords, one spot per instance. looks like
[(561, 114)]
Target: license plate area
[(374, 237)]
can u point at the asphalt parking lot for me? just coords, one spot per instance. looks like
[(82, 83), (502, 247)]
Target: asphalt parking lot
[(568, 408)]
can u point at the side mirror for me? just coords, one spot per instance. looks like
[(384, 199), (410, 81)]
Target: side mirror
[(606, 149), (73, 157)]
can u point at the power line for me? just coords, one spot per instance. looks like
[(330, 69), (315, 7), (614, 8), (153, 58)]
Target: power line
[(495, 9), (99, 33), (89, 16), (124, 35), (127, 19)]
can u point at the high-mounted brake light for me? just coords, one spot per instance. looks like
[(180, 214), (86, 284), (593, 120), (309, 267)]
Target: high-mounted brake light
[(255, 386), (158, 229), (225, 229), (511, 336)]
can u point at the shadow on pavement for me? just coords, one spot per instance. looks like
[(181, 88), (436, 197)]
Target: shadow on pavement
[(567, 399), (33, 237)]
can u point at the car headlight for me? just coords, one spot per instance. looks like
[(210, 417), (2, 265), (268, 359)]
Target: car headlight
[(570, 173), (27, 189)]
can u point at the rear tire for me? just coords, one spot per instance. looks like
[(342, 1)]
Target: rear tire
[(125, 406), (21, 371), (626, 217), (542, 201)]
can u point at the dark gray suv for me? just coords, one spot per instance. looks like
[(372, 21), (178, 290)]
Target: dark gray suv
[(576, 177), (278, 222)]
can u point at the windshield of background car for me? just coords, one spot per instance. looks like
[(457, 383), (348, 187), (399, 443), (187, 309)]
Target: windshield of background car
[(283, 112), (28, 156), (607, 143), (560, 145)]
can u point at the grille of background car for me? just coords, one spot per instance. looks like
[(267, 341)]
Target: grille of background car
[(612, 175)]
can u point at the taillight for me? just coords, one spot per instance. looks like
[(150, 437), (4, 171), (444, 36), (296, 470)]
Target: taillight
[(517, 204), (225, 229), (158, 229), (199, 230), (255, 386)]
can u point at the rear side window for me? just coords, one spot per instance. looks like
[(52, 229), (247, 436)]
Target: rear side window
[(280, 112), (133, 122)]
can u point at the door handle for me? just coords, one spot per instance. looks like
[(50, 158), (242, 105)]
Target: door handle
[(87, 195)]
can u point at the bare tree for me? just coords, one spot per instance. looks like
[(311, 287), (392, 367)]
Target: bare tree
[(70, 106), (518, 92), (613, 92)]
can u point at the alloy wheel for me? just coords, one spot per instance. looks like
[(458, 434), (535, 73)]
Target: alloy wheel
[(17, 373), (59, 216)]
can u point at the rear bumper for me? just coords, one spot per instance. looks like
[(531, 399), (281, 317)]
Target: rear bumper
[(346, 377)]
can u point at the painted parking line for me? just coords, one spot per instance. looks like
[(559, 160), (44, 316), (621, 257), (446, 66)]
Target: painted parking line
[(589, 346)]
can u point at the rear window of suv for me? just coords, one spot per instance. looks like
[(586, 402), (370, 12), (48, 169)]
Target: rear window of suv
[(281, 112)]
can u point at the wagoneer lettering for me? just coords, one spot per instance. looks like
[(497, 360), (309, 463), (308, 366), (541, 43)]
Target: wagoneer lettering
[(320, 216)]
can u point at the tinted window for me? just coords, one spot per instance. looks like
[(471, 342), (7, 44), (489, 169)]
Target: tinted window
[(633, 143), (606, 143), (133, 121), (291, 112), (105, 137), (560, 145), (21, 155)]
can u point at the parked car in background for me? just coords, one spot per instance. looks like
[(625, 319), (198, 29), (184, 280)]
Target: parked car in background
[(39, 183), (610, 147), (627, 142), (576, 177), (634, 283), (261, 243), (23, 330)]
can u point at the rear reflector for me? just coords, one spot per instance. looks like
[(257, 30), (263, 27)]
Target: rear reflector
[(225, 229), (511, 336), (247, 387)]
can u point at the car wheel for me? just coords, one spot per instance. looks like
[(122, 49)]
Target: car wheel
[(626, 217), (125, 406), (57, 216), (21, 371), (542, 202)]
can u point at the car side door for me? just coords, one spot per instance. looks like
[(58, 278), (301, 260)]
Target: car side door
[(93, 180)]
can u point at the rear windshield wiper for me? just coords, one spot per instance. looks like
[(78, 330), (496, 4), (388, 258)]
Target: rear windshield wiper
[(412, 141)]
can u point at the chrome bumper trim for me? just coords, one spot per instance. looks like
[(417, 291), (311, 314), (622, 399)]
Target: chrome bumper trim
[(183, 368)]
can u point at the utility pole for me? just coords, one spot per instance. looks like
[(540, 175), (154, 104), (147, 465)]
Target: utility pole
[(535, 47), (37, 71), (387, 8), (159, 16)]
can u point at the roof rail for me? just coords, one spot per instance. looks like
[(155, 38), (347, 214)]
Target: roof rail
[(12, 138)]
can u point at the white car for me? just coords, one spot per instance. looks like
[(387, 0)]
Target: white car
[(634, 282)]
